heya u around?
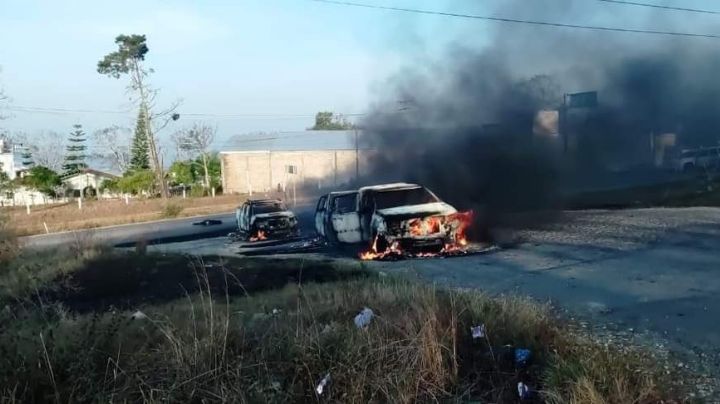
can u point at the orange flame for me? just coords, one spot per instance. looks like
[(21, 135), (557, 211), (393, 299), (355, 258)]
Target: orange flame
[(259, 236), (424, 226), (455, 225), (374, 254)]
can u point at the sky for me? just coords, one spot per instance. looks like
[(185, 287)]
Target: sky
[(284, 58), (250, 57)]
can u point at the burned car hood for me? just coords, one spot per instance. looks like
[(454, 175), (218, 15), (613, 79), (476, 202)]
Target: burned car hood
[(273, 215), (410, 211)]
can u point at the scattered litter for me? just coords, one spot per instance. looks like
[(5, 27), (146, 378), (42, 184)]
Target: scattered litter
[(138, 315), (363, 318), (478, 331), (323, 383), (522, 356), (523, 391), (275, 312), (382, 274)]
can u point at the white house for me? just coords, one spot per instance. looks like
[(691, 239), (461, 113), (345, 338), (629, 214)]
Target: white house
[(87, 179), (7, 159)]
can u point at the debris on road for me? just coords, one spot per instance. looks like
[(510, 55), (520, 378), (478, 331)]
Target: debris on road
[(292, 247), (323, 383), (363, 318), (208, 222)]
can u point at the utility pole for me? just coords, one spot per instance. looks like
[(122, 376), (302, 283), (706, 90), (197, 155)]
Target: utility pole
[(357, 158)]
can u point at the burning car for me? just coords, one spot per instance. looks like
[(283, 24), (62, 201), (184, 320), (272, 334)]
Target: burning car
[(265, 218), (398, 219)]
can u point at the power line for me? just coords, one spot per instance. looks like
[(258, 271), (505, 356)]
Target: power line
[(68, 111), (514, 20), (634, 3)]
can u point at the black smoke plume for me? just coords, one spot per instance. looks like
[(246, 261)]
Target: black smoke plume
[(462, 124)]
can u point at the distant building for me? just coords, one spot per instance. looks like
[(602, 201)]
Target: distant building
[(7, 159), (87, 180), (320, 160)]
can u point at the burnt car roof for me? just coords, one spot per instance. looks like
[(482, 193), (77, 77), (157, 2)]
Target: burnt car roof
[(341, 193), (390, 187), (263, 201)]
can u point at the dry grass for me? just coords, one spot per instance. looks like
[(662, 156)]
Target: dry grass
[(8, 241), (111, 212), (276, 346)]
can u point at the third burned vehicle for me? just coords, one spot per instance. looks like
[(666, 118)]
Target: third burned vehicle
[(398, 217), (265, 218)]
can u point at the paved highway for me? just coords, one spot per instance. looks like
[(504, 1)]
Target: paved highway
[(150, 232)]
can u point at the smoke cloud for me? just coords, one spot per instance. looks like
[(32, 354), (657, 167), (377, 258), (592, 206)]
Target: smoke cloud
[(462, 124)]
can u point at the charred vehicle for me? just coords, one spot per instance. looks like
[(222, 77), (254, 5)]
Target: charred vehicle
[(266, 218), (334, 203), (399, 218)]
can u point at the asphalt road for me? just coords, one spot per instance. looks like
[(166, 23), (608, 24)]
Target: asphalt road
[(171, 230)]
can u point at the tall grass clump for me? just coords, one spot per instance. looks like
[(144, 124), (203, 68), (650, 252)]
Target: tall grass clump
[(171, 210), (8, 241)]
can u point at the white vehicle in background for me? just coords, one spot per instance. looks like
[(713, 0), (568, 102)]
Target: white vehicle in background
[(705, 158)]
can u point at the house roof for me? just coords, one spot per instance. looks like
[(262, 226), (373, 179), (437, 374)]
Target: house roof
[(90, 171)]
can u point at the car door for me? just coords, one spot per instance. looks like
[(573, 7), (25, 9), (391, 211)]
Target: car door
[(345, 219), (320, 212), (244, 218)]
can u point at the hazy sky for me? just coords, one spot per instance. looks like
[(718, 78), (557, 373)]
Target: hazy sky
[(292, 57), (282, 57)]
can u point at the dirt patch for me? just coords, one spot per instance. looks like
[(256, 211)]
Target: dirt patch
[(128, 280)]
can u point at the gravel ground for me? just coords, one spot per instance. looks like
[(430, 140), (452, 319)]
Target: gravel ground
[(648, 277)]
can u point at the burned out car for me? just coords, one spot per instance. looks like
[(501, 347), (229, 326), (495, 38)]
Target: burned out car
[(400, 217), (265, 218)]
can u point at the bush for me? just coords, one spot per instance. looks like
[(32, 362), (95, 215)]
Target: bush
[(172, 210)]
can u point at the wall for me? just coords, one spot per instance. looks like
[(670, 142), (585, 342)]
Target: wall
[(263, 171), (7, 164)]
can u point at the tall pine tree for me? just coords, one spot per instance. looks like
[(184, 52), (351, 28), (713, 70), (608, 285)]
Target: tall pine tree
[(26, 157), (75, 151), (140, 149)]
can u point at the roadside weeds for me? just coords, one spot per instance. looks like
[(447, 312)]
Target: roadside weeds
[(227, 342)]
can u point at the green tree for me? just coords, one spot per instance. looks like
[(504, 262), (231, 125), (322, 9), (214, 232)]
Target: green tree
[(42, 179), (214, 171), (128, 60), (140, 149), (183, 172), (26, 157), (137, 182), (6, 184), (327, 120), (75, 151)]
